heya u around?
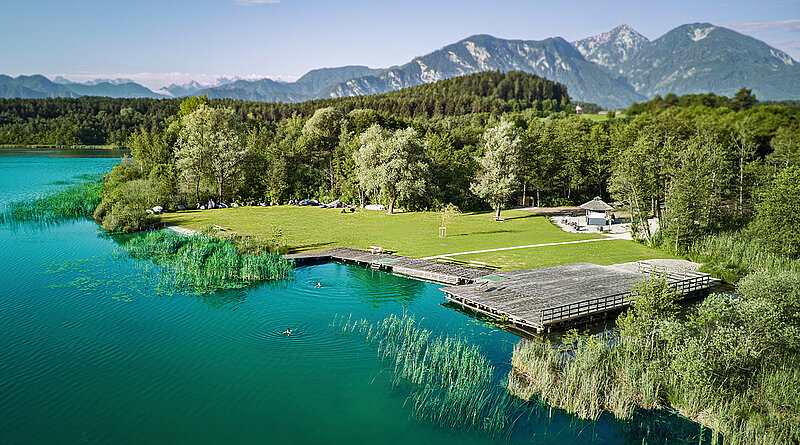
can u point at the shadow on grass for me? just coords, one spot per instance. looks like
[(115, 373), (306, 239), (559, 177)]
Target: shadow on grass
[(509, 218), (482, 232), (302, 247)]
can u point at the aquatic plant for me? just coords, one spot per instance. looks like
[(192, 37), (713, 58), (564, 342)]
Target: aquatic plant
[(732, 366), (69, 203), (248, 244), (731, 255), (451, 381), (203, 264)]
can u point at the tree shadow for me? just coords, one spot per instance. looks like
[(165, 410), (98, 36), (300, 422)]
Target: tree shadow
[(299, 248), (483, 232)]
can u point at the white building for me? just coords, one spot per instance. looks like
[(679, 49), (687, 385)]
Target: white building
[(597, 212)]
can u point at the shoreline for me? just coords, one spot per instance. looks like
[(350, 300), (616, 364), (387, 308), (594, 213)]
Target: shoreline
[(62, 147)]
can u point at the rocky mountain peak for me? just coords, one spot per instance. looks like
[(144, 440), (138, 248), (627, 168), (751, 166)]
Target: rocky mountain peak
[(610, 49)]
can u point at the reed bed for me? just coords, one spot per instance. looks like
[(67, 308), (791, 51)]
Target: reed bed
[(732, 366), (451, 382), (732, 255), (66, 204), (203, 264)]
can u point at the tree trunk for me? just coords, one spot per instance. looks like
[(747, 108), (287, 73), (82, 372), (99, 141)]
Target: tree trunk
[(219, 182), (497, 213), (538, 203), (741, 183), (391, 204), (524, 189), (197, 188)]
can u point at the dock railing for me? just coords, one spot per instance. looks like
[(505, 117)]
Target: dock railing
[(696, 281)]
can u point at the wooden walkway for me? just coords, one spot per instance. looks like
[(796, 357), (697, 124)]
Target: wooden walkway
[(413, 267), (544, 297), (529, 299)]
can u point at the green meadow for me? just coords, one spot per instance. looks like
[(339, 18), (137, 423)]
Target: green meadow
[(416, 234)]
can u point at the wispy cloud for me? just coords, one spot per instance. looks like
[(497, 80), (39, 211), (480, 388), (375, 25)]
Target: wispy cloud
[(791, 25), (255, 2)]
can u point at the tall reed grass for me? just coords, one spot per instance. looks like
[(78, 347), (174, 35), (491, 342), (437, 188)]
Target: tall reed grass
[(732, 255), (203, 264), (69, 203), (732, 366), (451, 382)]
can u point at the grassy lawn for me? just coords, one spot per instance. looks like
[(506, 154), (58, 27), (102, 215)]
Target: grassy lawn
[(601, 117), (601, 252), (309, 229)]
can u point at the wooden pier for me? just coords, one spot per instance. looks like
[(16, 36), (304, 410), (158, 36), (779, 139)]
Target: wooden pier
[(544, 297), (414, 267), (529, 299)]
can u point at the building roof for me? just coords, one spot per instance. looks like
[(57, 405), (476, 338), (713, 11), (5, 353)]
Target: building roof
[(596, 205)]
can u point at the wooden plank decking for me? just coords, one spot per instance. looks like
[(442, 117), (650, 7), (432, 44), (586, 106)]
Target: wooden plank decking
[(414, 267), (536, 298), (543, 297)]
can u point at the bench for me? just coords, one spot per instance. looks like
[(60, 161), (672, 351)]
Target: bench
[(481, 265)]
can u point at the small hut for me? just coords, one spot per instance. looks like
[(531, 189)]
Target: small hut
[(597, 212)]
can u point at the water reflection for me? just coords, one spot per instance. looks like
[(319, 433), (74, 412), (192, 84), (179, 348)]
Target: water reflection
[(76, 153)]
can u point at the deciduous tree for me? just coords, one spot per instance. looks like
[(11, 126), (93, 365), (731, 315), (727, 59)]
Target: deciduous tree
[(497, 179)]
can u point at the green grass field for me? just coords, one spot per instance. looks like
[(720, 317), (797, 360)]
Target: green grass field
[(416, 234), (602, 117)]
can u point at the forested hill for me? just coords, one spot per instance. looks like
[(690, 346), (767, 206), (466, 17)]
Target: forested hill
[(102, 120), (487, 91)]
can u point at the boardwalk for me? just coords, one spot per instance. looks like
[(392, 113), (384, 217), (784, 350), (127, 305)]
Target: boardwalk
[(533, 299), (413, 267)]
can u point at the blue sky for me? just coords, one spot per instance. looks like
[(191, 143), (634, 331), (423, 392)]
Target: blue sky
[(158, 42)]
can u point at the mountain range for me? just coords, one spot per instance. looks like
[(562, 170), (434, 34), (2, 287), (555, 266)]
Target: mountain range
[(612, 69)]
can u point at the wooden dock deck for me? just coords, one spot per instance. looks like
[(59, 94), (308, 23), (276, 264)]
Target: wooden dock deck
[(414, 267), (544, 297), (530, 299)]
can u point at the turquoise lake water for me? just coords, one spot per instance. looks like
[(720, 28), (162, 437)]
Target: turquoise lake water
[(91, 353)]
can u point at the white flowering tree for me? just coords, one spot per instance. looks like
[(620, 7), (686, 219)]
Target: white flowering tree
[(209, 147), (391, 163), (497, 177)]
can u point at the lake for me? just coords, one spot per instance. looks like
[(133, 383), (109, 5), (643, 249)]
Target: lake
[(92, 352)]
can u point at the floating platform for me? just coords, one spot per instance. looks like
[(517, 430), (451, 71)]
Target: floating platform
[(529, 299)]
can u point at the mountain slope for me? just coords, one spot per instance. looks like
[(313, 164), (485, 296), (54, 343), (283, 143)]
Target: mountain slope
[(107, 89), (263, 90), (611, 49), (554, 59), (702, 58), (32, 87), (323, 78)]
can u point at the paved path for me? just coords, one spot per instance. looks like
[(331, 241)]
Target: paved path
[(517, 247)]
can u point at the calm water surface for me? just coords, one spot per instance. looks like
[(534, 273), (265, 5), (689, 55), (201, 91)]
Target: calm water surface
[(91, 353)]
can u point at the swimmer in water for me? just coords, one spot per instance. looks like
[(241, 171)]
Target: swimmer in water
[(288, 332), (318, 284)]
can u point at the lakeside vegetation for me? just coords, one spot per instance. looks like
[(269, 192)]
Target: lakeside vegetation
[(451, 381), (69, 203), (202, 264), (733, 364)]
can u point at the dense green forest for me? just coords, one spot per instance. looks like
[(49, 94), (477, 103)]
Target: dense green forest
[(107, 121)]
